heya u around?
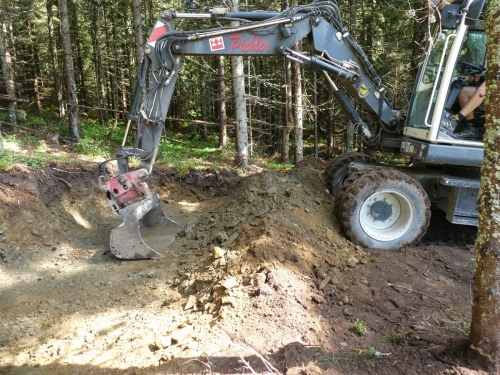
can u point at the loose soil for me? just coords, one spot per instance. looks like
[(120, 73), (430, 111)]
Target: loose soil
[(260, 279)]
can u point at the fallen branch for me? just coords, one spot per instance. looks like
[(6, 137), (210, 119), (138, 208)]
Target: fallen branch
[(182, 143), (5, 98), (66, 182), (18, 126), (62, 170), (414, 291)]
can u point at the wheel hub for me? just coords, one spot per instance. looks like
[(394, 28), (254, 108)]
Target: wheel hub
[(381, 210), (386, 215)]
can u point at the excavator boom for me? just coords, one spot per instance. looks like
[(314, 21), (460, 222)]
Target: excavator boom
[(332, 50)]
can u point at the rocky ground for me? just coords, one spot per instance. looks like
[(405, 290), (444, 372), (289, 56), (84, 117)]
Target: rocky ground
[(259, 280)]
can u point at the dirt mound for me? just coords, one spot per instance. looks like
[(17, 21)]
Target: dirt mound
[(260, 278)]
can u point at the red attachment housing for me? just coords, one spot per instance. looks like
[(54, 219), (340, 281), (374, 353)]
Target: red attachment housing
[(128, 186)]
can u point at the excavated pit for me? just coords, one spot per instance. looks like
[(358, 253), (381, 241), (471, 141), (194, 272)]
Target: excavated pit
[(259, 267)]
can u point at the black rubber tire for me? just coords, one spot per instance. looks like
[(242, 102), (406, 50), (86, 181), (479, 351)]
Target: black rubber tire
[(336, 171), (348, 181), (402, 208)]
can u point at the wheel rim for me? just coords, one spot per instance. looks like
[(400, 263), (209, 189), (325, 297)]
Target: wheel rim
[(387, 215)]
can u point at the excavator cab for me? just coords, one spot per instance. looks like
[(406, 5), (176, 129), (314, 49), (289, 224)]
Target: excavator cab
[(455, 58)]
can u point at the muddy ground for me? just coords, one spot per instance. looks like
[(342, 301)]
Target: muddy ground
[(259, 280)]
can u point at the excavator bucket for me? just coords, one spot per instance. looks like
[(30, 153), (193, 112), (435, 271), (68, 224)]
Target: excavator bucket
[(126, 241)]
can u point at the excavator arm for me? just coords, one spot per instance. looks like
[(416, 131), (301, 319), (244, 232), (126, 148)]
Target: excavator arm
[(332, 50)]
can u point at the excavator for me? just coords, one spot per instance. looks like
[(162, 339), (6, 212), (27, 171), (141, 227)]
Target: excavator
[(377, 206)]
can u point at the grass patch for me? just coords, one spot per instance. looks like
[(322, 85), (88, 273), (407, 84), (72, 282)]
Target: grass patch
[(464, 327), (370, 353), (93, 148), (185, 153), (358, 327), (278, 166), (401, 337)]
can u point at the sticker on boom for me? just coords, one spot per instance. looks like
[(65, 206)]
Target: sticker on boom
[(216, 44)]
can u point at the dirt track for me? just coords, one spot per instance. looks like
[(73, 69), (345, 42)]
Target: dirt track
[(259, 268)]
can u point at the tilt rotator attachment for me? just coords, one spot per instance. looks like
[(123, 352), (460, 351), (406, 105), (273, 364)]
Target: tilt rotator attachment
[(128, 194)]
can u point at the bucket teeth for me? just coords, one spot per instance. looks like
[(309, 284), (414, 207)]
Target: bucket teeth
[(126, 241)]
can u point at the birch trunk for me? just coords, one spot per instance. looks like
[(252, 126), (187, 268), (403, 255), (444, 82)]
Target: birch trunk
[(297, 106), (222, 105), (55, 62), (242, 158)]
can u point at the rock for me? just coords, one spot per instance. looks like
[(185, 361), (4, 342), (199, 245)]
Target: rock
[(272, 190), (171, 297), (229, 301), (259, 279), (364, 281), (217, 252), (364, 261), (181, 335), (352, 261), (317, 298), (232, 223), (220, 237), (324, 283), (230, 283), (347, 311), (190, 303), (184, 231), (321, 272), (344, 299)]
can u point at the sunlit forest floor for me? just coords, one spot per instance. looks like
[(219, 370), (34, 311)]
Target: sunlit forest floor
[(259, 280)]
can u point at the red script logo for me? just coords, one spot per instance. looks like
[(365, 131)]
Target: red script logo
[(253, 45)]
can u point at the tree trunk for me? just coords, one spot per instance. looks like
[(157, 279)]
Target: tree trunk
[(55, 62), (242, 158), (222, 105), (484, 339), (98, 59), (139, 40), (7, 73), (69, 71), (289, 122), (298, 110), (35, 69), (79, 70)]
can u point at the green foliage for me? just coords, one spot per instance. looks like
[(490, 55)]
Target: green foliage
[(31, 157), (464, 327), (92, 147), (370, 353), (185, 153), (276, 166), (34, 121), (400, 337), (358, 327), (6, 159)]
